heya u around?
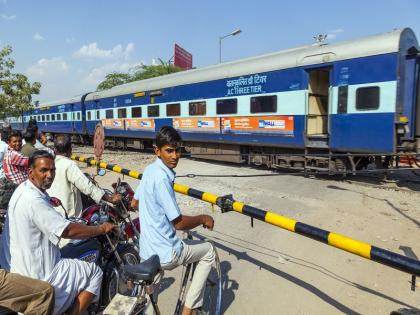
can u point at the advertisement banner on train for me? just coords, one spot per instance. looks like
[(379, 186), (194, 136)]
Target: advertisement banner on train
[(258, 124), (140, 124), (209, 124), (113, 123)]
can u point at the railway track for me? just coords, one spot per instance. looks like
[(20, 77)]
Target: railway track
[(400, 179)]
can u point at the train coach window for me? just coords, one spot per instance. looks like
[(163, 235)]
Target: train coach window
[(48, 117), (197, 108), (58, 116), (98, 115), (153, 111), (264, 104), (122, 113), (64, 116), (89, 116), (173, 109), (135, 112), (52, 117), (78, 115), (343, 92), (109, 113), (43, 117), (227, 106), (367, 98)]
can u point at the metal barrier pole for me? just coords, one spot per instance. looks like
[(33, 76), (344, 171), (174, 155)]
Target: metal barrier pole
[(382, 256)]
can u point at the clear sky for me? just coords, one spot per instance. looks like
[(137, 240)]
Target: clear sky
[(69, 46)]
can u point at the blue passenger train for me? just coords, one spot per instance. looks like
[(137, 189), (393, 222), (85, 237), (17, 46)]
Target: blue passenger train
[(313, 106)]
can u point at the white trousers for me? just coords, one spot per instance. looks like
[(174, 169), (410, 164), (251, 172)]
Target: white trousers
[(71, 276), (194, 251)]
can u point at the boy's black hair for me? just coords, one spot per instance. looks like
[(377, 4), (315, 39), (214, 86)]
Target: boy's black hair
[(14, 133), (37, 155), (167, 135), (29, 135), (62, 144)]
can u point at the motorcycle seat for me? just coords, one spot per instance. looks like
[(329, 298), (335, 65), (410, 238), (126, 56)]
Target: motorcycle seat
[(145, 271)]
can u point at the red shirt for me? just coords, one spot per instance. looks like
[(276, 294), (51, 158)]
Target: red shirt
[(15, 166)]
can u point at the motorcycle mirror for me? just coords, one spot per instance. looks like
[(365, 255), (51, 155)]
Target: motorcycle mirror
[(55, 202), (101, 172)]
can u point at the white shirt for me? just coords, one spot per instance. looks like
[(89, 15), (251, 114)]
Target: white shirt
[(69, 181), (31, 234), (3, 150)]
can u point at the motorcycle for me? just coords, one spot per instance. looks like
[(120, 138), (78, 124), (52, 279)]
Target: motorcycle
[(120, 212), (110, 252)]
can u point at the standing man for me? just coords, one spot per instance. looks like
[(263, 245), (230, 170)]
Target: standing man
[(31, 235), (70, 181), (160, 217), (15, 167), (29, 136), (3, 145), (15, 164), (38, 144)]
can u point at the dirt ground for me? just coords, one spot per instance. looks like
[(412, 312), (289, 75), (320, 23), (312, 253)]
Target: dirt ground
[(267, 270)]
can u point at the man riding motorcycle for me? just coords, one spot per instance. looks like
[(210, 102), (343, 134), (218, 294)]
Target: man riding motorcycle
[(30, 241), (70, 181)]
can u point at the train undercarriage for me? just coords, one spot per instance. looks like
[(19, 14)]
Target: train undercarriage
[(311, 160)]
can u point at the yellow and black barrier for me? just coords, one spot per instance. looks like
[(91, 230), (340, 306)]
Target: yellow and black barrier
[(383, 256)]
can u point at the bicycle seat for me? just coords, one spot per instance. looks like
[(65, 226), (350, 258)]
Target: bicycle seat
[(145, 271)]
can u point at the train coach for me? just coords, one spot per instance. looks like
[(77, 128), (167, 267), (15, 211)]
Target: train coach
[(314, 106)]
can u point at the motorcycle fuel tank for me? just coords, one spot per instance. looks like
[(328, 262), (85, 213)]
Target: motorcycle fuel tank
[(86, 250)]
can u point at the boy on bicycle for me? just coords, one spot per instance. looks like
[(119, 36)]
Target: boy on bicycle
[(160, 217)]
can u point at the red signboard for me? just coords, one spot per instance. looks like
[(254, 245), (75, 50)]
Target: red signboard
[(182, 58)]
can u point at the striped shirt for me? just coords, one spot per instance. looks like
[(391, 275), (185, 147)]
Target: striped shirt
[(15, 166)]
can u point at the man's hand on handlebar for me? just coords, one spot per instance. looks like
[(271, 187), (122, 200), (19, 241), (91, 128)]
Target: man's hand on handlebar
[(108, 227), (114, 198), (208, 222)]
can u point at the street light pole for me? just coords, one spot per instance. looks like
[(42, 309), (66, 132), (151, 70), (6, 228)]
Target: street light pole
[(224, 36)]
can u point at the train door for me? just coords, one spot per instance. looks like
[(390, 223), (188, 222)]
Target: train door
[(83, 110), (70, 115), (318, 105), (417, 110), (409, 85)]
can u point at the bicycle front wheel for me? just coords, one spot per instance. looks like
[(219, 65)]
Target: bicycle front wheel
[(213, 294)]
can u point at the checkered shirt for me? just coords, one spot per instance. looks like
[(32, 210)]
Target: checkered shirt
[(15, 166)]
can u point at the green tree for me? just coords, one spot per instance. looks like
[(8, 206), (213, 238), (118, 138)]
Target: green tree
[(15, 89), (113, 79), (146, 72), (141, 72)]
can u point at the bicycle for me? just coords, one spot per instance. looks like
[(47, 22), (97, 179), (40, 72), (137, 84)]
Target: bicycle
[(143, 278)]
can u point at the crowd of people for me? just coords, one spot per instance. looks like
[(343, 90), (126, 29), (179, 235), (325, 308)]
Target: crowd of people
[(34, 278)]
